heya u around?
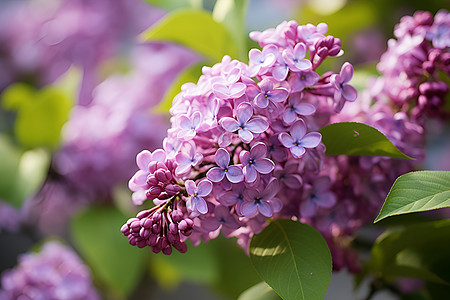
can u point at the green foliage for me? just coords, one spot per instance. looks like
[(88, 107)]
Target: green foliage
[(351, 138), (417, 251), (261, 291), (190, 74), (175, 4), (195, 29), (293, 258), (40, 113), (417, 191), (21, 172), (116, 264)]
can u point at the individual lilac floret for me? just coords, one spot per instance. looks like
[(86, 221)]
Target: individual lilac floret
[(343, 91), (264, 202), (222, 218), (295, 58), (232, 91), (259, 61), (288, 175), (298, 81), (298, 140), (235, 195), (233, 173), (54, 273), (189, 125), (269, 93), (319, 195), (187, 158), (254, 162), (196, 194), (244, 125), (296, 106)]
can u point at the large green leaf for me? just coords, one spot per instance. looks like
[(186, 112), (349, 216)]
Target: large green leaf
[(96, 233), (40, 113), (417, 191), (231, 13), (22, 173), (195, 29), (190, 74), (293, 258), (418, 251), (261, 291), (351, 138)]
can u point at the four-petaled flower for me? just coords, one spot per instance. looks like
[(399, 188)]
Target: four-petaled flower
[(189, 125), (343, 91), (254, 162), (244, 125), (298, 140), (265, 202), (233, 173), (187, 158), (261, 60), (319, 196), (269, 93), (295, 58), (296, 106), (196, 194), (222, 217), (298, 81)]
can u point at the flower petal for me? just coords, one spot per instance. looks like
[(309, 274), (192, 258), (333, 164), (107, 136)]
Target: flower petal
[(346, 72), (222, 158), (215, 174), (245, 135), (244, 112), (349, 92), (248, 208), (271, 190), (250, 174), (235, 174), (286, 140), (307, 209), (305, 109), (237, 90), (297, 151), (159, 155), (229, 124), (327, 199), (311, 140), (258, 150), (278, 95), (264, 165), (204, 188), (261, 100), (143, 159), (298, 130), (191, 187), (265, 209), (293, 181), (257, 125), (200, 205)]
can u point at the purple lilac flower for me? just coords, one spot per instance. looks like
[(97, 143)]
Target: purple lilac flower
[(245, 127), (263, 202), (319, 196), (254, 162), (298, 140), (233, 173), (196, 194), (54, 273), (247, 112), (343, 91), (269, 93)]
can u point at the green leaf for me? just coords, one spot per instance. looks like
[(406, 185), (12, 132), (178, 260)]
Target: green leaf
[(40, 113), (293, 258), (118, 265), (417, 191), (351, 138), (21, 173), (418, 251), (231, 13), (261, 291), (190, 74), (195, 29)]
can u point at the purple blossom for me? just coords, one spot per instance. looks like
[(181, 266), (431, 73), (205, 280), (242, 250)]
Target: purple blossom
[(189, 125), (269, 93), (233, 196), (263, 202), (254, 162), (280, 69), (343, 91), (196, 194), (276, 150), (261, 60), (54, 273), (244, 125), (232, 91), (295, 58), (289, 175), (298, 81), (187, 158), (233, 173), (298, 140), (222, 218), (296, 106), (320, 196)]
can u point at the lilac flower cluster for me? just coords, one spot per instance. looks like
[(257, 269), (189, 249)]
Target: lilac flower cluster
[(239, 137), (54, 273), (416, 64)]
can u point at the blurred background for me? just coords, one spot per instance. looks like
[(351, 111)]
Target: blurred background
[(81, 94)]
